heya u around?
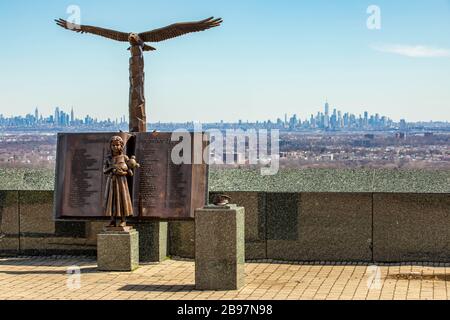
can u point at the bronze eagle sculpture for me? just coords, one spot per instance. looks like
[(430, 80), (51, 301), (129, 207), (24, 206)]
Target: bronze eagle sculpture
[(157, 35), (137, 117)]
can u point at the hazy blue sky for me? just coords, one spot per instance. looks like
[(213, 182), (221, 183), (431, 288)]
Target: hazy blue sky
[(269, 58)]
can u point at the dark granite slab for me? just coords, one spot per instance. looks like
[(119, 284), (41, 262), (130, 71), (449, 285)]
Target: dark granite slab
[(75, 229), (152, 240), (255, 222), (36, 213), (282, 210), (411, 227), (9, 221), (329, 227), (182, 239)]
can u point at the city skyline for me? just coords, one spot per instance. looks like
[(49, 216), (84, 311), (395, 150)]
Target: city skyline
[(329, 118), (299, 113), (266, 56)]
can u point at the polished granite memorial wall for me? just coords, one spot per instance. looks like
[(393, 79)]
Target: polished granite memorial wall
[(363, 227), (308, 215), (336, 215), (299, 227), (27, 221)]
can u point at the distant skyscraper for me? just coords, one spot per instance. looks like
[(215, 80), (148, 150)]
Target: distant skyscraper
[(326, 119), (36, 115), (72, 117), (57, 115), (403, 124)]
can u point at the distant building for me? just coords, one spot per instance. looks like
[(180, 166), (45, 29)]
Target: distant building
[(327, 115), (72, 116), (403, 125), (57, 116)]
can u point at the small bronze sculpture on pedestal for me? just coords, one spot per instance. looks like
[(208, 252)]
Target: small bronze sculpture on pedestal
[(221, 200), (117, 166)]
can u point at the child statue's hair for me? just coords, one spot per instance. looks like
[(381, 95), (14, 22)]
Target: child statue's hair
[(117, 138)]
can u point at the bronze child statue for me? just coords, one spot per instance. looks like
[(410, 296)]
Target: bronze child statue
[(117, 166)]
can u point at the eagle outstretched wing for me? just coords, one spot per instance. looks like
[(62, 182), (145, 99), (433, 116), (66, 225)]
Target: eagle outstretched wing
[(179, 29), (107, 33)]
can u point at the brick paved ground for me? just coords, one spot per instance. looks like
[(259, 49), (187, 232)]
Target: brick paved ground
[(47, 278)]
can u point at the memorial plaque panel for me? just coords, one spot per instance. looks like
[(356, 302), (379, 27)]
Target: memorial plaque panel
[(163, 189), (79, 174), (160, 189)]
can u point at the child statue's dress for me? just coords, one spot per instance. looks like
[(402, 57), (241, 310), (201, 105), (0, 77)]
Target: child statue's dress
[(117, 195)]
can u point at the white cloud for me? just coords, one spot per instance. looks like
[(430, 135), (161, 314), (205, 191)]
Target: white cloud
[(413, 51)]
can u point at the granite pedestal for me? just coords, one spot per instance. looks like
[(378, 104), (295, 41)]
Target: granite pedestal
[(118, 250), (152, 240), (219, 248)]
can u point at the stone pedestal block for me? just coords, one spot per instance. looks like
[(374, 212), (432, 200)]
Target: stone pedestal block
[(152, 240), (118, 251), (219, 248)]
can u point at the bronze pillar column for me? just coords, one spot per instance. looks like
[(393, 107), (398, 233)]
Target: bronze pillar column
[(137, 117)]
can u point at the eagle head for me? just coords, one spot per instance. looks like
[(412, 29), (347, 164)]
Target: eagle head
[(134, 39)]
